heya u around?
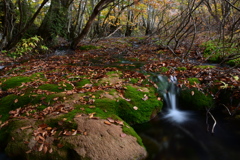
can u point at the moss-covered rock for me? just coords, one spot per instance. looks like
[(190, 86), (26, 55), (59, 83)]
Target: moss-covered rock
[(56, 88), (14, 82), (195, 99), (140, 106)]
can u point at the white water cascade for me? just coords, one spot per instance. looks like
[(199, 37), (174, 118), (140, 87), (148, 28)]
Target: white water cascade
[(169, 90)]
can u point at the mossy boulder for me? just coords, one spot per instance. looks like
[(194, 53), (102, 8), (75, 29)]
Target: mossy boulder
[(141, 105), (56, 87), (93, 139), (195, 99)]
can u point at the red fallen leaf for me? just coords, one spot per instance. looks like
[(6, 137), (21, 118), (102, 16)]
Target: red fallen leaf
[(85, 133), (123, 135), (95, 118), (110, 120), (92, 107), (59, 145), (106, 122)]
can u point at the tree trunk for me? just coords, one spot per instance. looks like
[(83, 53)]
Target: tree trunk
[(18, 37), (100, 6), (55, 21)]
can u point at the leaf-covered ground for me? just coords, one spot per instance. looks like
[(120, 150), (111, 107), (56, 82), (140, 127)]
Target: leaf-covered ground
[(136, 59)]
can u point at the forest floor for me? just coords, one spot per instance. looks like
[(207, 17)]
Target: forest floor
[(135, 57), (111, 67)]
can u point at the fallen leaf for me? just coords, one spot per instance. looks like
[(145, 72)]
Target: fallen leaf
[(79, 115), (106, 122), (135, 108), (50, 150), (123, 135), (192, 93), (40, 148), (87, 86), (92, 107), (16, 100), (110, 120), (59, 145), (56, 98), (145, 97), (74, 133), (26, 127), (119, 122), (159, 98), (45, 149), (29, 151)]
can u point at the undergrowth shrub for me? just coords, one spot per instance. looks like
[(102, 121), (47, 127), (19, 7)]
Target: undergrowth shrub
[(32, 45)]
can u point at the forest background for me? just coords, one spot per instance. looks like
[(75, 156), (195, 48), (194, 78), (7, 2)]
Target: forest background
[(28, 26)]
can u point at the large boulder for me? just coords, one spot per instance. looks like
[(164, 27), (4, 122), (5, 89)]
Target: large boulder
[(94, 139)]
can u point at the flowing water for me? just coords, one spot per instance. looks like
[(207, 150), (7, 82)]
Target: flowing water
[(182, 135)]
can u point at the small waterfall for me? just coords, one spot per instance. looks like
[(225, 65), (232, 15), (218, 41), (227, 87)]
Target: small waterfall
[(170, 90)]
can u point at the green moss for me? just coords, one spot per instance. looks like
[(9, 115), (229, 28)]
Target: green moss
[(144, 108), (14, 82), (133, 80), (234, 62), (114, 73), (194, 99), (130, 131), (83, 82), (163, 69), (205, 66), (181, 68), (106, 105), (89, 47), (192, 81), (38, 76), (56, 88)]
